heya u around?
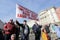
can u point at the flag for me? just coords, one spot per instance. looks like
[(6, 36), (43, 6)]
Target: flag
[(22, 12)]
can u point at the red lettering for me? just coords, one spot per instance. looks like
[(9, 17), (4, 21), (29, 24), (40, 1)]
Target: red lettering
[(19, 15), (24, 16)]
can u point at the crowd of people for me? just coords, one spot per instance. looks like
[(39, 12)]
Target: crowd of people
[(11, 31)]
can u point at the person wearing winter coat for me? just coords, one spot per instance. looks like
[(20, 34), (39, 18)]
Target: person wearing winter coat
[(25, 30), (37, 30), (9, 28)]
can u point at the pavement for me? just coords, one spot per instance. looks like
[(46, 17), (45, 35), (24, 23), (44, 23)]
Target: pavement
[(31, 37)]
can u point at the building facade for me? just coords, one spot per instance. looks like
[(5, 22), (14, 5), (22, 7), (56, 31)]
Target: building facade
[(48, 16), (58, 12), (31, 23)]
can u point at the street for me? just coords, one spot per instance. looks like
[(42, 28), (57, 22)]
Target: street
[(31, 37)]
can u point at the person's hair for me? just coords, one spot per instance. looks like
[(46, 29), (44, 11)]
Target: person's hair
[(11, 19), (25, 21), (14, 36), (43, 30), (56, 25)]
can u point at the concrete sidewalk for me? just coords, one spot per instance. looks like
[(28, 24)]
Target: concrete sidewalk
[(31, 37)]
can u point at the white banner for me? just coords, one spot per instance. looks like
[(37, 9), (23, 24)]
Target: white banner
[(22, 12)]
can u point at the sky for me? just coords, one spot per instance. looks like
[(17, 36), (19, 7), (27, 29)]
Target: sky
[(8, 7)]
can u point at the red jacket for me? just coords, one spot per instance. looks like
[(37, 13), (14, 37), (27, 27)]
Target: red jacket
[(9, 28)]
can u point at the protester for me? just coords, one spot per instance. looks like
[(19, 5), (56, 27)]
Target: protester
[(13, 37), (57, 30), (1, 35), (52, 30), (25, 29), (37, 30), (9, 28), (44, 35), (47, 28), (48, 31), (17, 31)]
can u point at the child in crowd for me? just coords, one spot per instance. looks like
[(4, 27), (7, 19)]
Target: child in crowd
[(13, 37)]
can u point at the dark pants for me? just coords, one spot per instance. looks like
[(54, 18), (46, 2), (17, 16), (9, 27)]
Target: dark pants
[(17, 36), (25, 37), (37, 36), (7, 36), (1, 37)]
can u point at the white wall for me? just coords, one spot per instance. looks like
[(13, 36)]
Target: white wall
[(31, 23), (48, 16)]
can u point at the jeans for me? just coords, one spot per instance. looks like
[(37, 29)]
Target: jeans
[(24, 37)]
